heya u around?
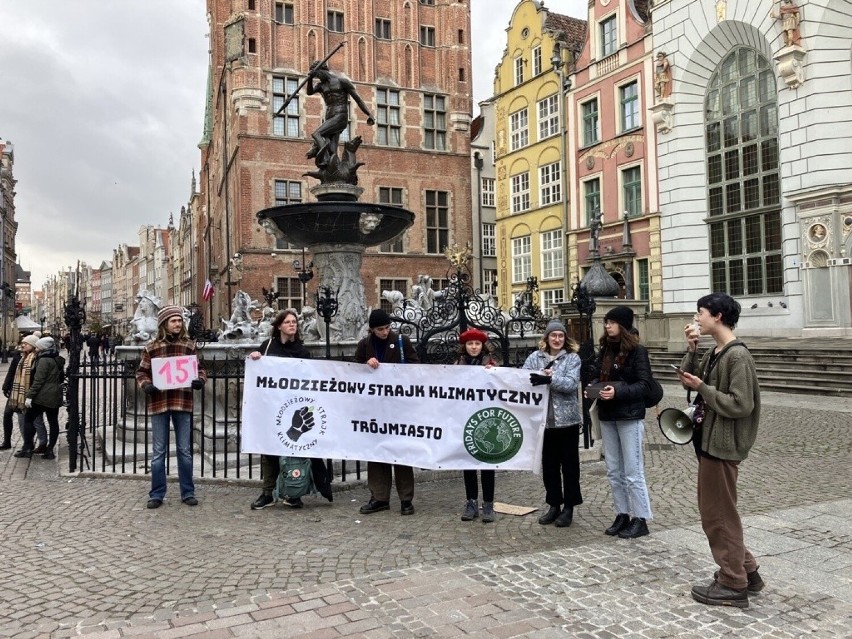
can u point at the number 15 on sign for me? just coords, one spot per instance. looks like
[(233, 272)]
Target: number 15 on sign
[(174, 372)]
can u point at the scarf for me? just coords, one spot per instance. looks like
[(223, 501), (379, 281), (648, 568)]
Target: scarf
[(21, 384)]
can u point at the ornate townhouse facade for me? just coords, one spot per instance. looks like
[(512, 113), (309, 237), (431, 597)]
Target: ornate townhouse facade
[(484, 198), (532, 213), (410, 61), (612, 144)]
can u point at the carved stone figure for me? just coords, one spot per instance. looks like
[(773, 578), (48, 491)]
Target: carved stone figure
[(426, 297), (144, 322), (264, 328), (396, 299), (817, 233), (240, 326), (309, 325), (790, 18), (662, 76), (721, 10)]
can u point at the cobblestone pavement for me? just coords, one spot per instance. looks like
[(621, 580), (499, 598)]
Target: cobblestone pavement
[(82, 555)]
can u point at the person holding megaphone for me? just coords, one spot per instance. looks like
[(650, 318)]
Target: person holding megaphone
[(729, 404), (622, 371)]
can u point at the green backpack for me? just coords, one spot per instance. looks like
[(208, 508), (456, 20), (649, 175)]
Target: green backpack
[(295, 478)]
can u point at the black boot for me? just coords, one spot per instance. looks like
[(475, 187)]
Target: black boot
[(550, 516), (622, 520), (565, 517), (637, 528)]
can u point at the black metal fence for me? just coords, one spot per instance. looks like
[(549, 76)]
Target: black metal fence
[(114, 429), (108, 421)]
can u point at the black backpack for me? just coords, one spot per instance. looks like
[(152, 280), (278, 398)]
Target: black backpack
[(655, 396)]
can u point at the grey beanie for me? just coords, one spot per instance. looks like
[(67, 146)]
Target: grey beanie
[(554, 325), (45, 344)]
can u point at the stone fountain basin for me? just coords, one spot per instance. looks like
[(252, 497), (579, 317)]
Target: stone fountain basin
[(310, 223)]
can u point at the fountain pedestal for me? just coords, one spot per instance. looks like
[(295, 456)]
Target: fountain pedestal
[(337, 232)]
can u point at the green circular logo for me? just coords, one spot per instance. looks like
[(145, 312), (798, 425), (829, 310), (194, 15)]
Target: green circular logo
[(493, 435)]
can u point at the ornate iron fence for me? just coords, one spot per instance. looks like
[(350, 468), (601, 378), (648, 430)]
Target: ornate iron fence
[(106, 407)]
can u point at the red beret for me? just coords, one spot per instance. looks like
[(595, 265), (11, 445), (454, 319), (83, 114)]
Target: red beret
[(473, 334)]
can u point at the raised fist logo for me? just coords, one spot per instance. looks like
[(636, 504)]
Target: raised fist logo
[(303, 421)]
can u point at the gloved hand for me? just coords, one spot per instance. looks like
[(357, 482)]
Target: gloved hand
[(197, 384), (537, 379), (6, 393), (150, 389), (28, 402)]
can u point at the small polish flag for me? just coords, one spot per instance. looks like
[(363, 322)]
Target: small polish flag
[(207, 293)]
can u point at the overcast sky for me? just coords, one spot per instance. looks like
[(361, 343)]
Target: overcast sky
[(104, 101)]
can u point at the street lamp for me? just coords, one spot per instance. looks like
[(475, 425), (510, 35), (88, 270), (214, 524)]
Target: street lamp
[(6, 292), (305, 272), (327, 308)]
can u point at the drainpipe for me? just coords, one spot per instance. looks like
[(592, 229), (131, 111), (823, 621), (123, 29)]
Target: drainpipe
[(478, 163)]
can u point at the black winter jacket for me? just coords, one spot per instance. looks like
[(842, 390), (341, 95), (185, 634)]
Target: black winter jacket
[(287, 349), (632, 382)]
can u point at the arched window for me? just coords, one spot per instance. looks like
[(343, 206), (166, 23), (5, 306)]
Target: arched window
[(744, 194)]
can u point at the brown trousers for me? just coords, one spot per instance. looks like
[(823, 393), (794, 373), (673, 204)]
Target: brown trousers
[(717, 504), (379, 481)]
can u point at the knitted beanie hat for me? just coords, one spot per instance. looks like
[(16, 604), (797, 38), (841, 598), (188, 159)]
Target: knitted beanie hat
[(168, 312), (45, 344), (473, 334), (554, 325), (379, 318), (621, 315), (32, 340)]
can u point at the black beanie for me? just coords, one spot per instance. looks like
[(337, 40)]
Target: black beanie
[(621, 315), (379, 318)]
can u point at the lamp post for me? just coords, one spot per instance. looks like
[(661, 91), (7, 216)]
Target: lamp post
[(6, 292), (75, 317), (327, 308), (305, 272)]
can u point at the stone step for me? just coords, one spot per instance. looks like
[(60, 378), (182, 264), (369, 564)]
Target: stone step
[(800, 369)]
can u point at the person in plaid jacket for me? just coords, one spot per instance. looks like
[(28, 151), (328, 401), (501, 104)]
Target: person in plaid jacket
[(173, 404)]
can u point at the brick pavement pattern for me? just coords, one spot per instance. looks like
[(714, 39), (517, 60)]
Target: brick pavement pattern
[(81, 556)]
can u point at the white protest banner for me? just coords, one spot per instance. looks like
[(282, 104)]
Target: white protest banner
[(427, 416), (174, 372)]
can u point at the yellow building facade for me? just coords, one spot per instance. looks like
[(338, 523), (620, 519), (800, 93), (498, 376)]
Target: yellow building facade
[(531, 172)]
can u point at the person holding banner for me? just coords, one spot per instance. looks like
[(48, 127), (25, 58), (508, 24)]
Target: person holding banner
[(285, 341), (384, 345), (474, 351), (176, 362), (623, 366), (557, 363)]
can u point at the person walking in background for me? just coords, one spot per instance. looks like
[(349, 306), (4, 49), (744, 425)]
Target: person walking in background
[(384, 345), (474, 351), (623, 366), (93, 342), (15, 387), (556, 363), (173, 404), (44, 397), (286, 341), (726, 419)]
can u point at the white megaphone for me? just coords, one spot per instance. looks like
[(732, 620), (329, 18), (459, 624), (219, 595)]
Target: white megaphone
[(676, 425)]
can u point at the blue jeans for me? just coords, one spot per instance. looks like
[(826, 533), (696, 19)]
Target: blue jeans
[(625, 466), (182, 421)]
